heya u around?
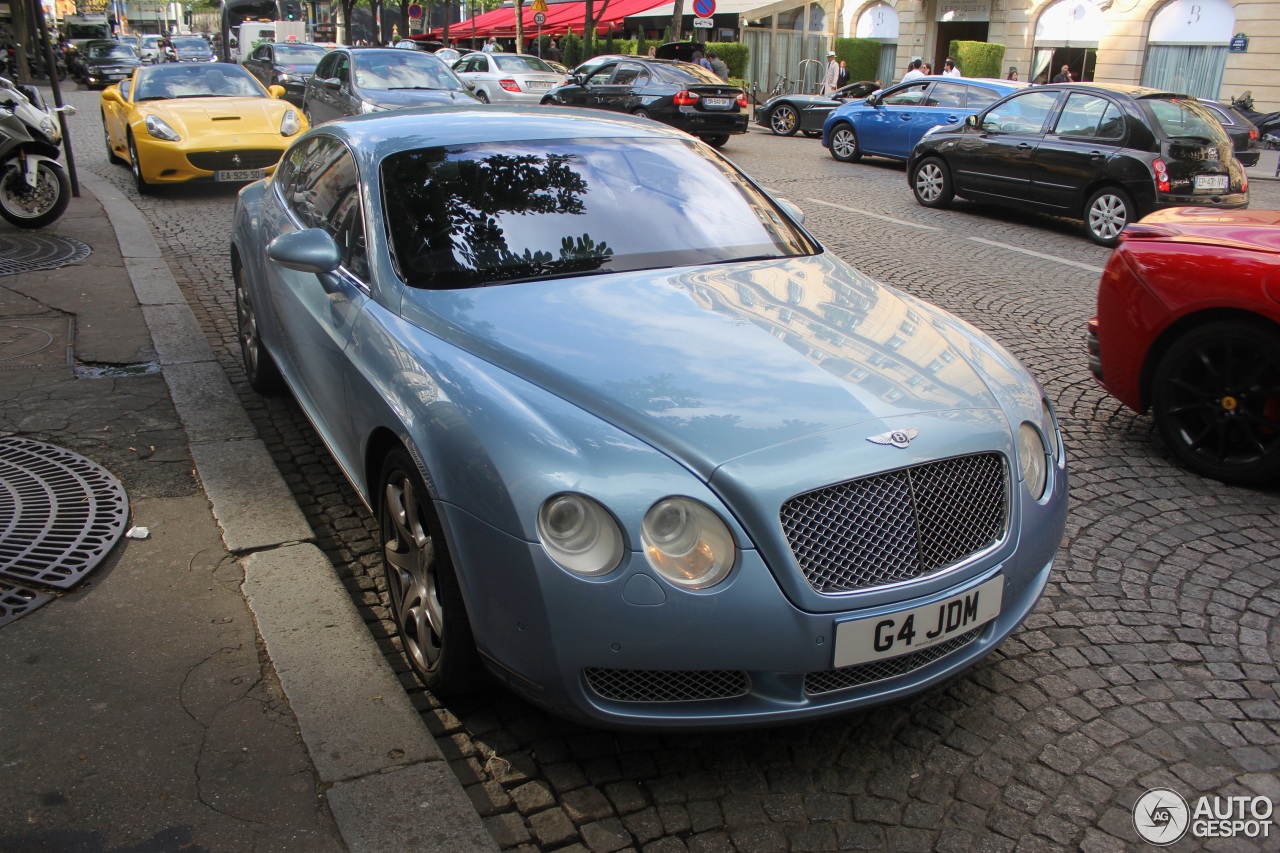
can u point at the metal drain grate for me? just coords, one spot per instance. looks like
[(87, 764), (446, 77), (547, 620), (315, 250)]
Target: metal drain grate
[(28, 252), (59, 513), (17, 601)]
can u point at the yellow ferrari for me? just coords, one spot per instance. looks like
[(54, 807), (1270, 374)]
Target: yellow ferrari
[(197, 121)]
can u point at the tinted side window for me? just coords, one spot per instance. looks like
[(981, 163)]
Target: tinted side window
[(946, 95), (911, 95), (601, 76), (322, 188), (325, 68), (980, 98), (627, 74), (1112, 124), (1081, 115), (1023, 113)]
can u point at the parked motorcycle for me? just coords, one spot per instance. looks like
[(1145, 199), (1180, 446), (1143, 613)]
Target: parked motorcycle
[(34, 190), (1268, 124)]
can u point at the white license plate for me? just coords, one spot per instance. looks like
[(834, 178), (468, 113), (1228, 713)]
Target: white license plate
[(240, 175), (539, 84), (1211, 182), (906, 631), (717, 102)]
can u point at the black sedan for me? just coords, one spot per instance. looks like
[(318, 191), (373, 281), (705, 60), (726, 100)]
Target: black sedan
[(105, 61), (785, 114), (1107, 154), (680, 94), (369, 80), (1244, 133), (285, 64)]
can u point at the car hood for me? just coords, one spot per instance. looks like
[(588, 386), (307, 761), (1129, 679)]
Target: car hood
[(1256, 230), (192, 117), (111, 61), (301, 68), (709, 364), (394, 99)]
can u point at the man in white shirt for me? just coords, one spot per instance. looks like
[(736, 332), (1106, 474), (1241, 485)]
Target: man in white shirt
[(913, 71), (949, 68), (831, 80)]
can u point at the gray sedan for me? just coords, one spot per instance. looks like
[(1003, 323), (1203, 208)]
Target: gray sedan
[(352, 82), (513, 78)]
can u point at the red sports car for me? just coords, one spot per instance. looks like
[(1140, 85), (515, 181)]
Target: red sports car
[(1188, 325)]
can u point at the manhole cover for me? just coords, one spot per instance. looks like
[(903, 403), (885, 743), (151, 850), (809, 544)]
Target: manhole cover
[(17, 601), (59, 513), (27, 252), (35, 341)]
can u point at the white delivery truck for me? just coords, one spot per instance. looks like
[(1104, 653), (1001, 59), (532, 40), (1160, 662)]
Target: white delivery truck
[(252, 33)]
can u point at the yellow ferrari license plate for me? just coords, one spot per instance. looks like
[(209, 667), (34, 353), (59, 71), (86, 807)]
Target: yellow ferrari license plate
[(240, 175)]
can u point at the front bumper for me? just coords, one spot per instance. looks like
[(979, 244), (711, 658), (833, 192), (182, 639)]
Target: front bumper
[(170, 162), (555, 638)]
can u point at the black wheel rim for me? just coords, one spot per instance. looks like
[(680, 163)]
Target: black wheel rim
[(412, 573), (1223, 403), (248, 326)]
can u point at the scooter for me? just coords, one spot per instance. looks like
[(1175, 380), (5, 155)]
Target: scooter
[(34, 190), (1268, 124)]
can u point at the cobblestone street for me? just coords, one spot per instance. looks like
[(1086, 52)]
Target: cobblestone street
[(1151, 660)]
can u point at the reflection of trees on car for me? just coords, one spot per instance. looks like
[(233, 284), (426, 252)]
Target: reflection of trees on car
[(443, 214)]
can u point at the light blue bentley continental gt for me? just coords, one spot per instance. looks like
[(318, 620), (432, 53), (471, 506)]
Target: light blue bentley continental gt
[(639, 447)]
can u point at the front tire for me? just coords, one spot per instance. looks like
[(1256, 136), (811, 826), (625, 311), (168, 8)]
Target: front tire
[(844, 144), (426, 601), (1215, 397), (112, 157), (1108, 211), (784, 121), (931, 183), (139, 182), (482, 97), (28, 207), (641, 114), (259, 367)]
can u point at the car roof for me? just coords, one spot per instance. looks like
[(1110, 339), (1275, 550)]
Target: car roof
[(1130, 89), (377, 135)]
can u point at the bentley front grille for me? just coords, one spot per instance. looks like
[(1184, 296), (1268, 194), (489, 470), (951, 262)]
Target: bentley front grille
[(898, 525), (639, 685)]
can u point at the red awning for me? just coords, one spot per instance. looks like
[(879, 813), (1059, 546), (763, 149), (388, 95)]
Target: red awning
[(561, 18)]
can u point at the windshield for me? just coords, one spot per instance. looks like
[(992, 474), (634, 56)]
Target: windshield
[(402, 69), (196, 80), (191, 44), (149, 41), (517, 64), (473, 215), (299, 54), (1182, 118), (109, 50)]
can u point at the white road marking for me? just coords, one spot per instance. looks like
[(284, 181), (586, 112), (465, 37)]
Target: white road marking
[(1041, 255), (873, 215)]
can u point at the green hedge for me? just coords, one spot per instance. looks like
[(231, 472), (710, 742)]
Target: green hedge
[(978, 58), (735, 55), (862, 56)]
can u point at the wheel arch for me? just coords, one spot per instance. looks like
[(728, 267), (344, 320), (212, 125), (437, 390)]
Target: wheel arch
[(381, 442), (1186, 324)]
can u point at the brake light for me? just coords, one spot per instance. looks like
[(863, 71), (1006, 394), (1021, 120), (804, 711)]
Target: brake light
[(685, 98), (742, 100), (1162, 175), (510, 85), (1253, 133)]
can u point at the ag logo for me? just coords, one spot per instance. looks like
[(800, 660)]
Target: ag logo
[(1161, 816)]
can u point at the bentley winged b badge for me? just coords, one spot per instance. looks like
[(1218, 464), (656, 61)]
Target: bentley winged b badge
[(899, 438)]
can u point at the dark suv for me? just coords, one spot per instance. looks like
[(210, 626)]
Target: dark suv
[(1107, 154)]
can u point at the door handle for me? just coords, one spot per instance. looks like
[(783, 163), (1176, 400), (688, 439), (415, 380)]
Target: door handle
[(1024, 146), (1096, 155), (952, 119)]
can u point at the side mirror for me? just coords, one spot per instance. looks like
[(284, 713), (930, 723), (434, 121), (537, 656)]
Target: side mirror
[(331, 83), (970, 121), (577, 79), (873, 100), (276, 91), (113, 94), (312, 250)]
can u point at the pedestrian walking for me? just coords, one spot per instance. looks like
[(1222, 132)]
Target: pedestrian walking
[(553, 53)]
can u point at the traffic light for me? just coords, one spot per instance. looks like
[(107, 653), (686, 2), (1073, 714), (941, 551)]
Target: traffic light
[(290, 10)]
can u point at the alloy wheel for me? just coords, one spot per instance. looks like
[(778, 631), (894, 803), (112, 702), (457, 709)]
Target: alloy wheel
[(412, 576), (784, 121)]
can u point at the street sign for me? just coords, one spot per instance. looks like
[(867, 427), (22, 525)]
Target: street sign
[(539, 5), (704, 8), (415, 11), (704, 23), (1239, 44), (539, 18)]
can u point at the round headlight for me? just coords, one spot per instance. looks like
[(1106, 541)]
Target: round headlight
[(1033, 459), (580, 535), (687, 543)]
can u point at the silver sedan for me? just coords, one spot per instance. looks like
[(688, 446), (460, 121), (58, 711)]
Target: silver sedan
[(511, 78)]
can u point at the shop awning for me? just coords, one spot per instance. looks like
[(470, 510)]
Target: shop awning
[(561, 18)]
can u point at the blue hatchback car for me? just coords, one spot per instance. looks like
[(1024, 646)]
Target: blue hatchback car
[(889, 123)]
